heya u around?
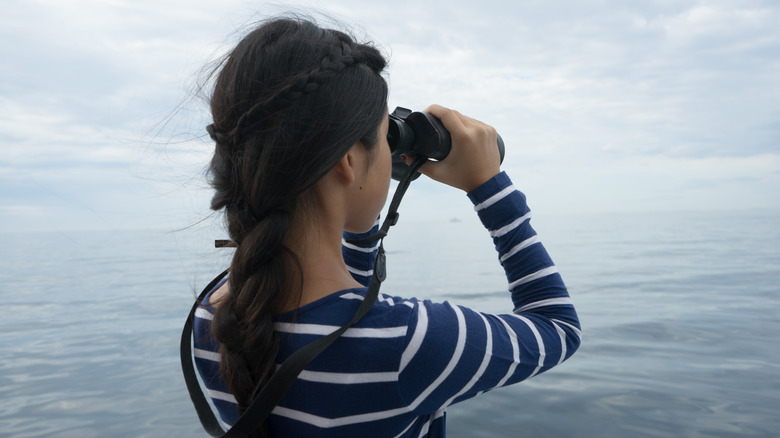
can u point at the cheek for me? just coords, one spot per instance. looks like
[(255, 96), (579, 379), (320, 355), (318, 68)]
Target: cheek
[(387, 169), (383, 168), (387, 155), (388, 164)]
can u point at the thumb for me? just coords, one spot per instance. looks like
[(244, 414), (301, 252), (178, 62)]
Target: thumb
[(430, 168)]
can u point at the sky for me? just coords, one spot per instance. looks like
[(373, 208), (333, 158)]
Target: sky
[(606, 106)]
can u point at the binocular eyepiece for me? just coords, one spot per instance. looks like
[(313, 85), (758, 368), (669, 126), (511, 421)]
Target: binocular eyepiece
[(419, 134)]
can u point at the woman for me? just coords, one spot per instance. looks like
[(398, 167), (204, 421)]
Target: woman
[(300, 125)]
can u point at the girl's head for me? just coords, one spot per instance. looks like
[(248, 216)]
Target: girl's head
[(289, 102)]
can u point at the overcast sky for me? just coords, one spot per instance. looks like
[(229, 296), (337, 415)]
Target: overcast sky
[(605, 105)]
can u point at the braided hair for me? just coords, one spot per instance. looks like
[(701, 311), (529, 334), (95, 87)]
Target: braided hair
[(289, 101)]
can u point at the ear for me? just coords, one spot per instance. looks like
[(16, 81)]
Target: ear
[(346, 167)]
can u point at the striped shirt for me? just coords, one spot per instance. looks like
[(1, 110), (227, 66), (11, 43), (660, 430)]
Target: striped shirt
[(394, 372)]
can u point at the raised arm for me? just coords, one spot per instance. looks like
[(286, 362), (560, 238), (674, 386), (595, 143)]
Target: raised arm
[(453, 353)]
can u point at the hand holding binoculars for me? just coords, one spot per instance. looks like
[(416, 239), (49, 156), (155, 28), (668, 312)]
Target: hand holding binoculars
[(419, 134)]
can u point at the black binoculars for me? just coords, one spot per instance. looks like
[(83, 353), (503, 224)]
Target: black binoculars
[(418, 134)]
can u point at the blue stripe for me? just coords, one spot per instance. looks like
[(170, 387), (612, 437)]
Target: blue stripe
[(443, 354)]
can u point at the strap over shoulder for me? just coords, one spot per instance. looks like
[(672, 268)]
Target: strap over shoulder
[(288, 371)]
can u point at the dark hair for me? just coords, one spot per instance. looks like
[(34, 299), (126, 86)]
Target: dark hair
[(289, 101)]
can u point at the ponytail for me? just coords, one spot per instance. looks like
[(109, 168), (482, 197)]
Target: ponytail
[(289, 101)]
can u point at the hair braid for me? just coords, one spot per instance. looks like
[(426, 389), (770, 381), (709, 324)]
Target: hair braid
[(245, 328), (297, 86), (287, 105)]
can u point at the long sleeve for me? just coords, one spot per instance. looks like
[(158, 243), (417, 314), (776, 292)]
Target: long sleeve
[(359, 258), (453, 353)]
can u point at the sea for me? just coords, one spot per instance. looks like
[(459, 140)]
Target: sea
[(680, 315)]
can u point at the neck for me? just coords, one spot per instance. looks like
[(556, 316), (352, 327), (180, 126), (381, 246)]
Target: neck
[(316, 240)]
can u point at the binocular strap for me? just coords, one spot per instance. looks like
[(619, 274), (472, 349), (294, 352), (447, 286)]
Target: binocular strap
[(288, 371)]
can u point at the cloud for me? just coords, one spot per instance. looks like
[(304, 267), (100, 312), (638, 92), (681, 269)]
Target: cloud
[(661, 96), (677, 78), (653, 184)]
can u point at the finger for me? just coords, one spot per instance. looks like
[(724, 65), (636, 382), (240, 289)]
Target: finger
[(430, 169), (409, 160), (451, 119)]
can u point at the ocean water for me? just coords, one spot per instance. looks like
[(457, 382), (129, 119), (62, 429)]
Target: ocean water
[(680, 312)]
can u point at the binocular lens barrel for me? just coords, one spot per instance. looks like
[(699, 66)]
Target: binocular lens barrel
[(421, 135)]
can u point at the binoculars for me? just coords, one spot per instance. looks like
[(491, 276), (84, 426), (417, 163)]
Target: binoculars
[(418, 134)]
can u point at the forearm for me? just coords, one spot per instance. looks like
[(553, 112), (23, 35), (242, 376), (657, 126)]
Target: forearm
[(534, 281)]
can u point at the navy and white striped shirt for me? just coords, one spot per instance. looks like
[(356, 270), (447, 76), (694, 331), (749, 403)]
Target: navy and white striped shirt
[(394, 373)]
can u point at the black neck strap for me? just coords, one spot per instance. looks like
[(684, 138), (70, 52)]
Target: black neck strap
[(288, 371)]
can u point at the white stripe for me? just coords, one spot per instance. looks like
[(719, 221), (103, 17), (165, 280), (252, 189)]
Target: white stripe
[(359, 248), (573, 328), (507, 228), (535, 276), (544, 303), (515, 353), (360, 272), (318, 329), (495, 198), (206, 354), (539, 342), (519, 247), (225, 396), (380, 298), (427, 426), (403, 432), (482, 367), (562, 334), (323, 422), (202, 313), (459, 347), (352, 296), (417, 338), (347, 378)]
